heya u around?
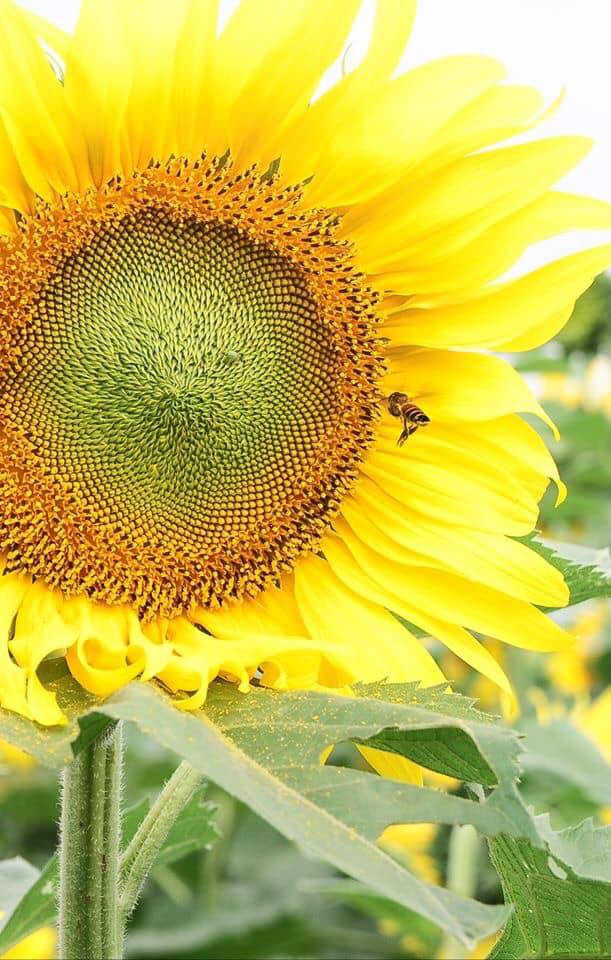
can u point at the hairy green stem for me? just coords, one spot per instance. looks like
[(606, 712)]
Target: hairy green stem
[(144, 847), (90, 829)]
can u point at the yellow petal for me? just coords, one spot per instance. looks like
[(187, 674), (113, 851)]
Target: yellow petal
[(509, 315), (393, 530), (99, 658), (392, 27), (13, 678), (479, 494), (14, 190), (97, 83), (455, 638), (513, 445), (54, 37), (193, 86), (307, 134), (392, 766), (273, 611), (495, 251), (48, 146), (39, 627), (152, 30), (458, 386), (440, 214), (376, 145), (82, 659), (381, 648), (240, 49), (497, 114), (43, 704), (8, 223), (281, 86), (465, 603)]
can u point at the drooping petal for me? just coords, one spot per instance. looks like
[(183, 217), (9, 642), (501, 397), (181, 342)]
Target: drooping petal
[(381, 647), (463, 602), (455, 638), (505, 564)]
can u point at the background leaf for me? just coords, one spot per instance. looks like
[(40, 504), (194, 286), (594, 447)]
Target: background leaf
[(37, 907), (585, 847), (560, 749), (16, 878)]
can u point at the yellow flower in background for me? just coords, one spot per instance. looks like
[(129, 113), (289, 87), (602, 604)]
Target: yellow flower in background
[(223, 305), (595, 721), (38, 946), (570, 670), (13, 757), (411, 843), (591, 390)]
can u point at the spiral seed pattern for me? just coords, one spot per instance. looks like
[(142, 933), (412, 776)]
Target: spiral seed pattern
[(188, 380)]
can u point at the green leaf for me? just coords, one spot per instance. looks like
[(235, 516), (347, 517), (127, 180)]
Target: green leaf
[(36, 907), (16, 878), (265, 749), (587, 572), (560, 749), (585, 847), (257, 889), (50, 746), (405, 922), (558, 913), (451, 751), (193, 830)]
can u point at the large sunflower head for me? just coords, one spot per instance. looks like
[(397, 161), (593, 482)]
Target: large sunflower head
[(241, 431)]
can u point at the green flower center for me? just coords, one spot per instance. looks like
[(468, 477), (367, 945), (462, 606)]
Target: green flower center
[(181, 369)]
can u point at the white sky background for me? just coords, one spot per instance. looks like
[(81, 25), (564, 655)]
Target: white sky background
[(546, 43)]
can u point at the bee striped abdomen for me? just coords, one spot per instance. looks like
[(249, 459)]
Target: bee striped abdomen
[(400, 405)]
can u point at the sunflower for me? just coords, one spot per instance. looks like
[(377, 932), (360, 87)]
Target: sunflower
[(224, 300), (39, 945)]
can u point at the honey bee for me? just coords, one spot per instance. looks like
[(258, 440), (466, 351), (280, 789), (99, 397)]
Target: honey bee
[(412, 417)]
